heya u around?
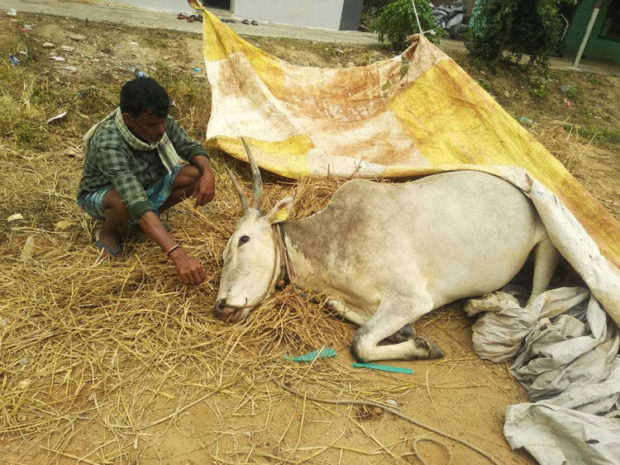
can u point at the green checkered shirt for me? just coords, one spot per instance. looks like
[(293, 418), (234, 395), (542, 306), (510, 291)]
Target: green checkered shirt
[(111, 161)]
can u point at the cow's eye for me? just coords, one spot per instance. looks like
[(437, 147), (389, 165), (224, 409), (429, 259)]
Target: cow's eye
[(243, 240)]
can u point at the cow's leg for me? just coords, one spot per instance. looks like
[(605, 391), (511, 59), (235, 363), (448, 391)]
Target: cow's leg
[(392, 315), (546, 258), (351, 315), (345, 312), (404, 333)]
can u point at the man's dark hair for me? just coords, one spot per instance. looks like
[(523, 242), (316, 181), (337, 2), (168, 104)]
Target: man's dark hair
[(144, 94)]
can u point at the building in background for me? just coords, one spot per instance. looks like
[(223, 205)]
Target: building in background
[(604, 41), (340, 15), (343, 15)]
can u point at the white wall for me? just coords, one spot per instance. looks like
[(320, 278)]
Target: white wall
[(160, 5), (313, 13)]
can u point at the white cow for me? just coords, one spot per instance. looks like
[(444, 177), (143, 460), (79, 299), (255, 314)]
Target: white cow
[(387, 254)]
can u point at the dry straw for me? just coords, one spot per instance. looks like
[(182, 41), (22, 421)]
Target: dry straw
[(89, 341)]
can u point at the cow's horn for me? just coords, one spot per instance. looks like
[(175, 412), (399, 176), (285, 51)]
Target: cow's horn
[(242, 197), (258, 183)]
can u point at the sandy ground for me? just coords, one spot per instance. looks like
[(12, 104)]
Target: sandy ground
[(254, 420)]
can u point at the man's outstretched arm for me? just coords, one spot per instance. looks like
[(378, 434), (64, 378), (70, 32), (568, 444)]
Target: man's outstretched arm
[(190, 271)]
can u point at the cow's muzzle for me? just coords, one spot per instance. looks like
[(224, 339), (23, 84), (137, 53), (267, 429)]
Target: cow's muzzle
[(230, 313)]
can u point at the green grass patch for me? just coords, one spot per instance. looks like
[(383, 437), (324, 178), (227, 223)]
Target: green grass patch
[(595, 133)]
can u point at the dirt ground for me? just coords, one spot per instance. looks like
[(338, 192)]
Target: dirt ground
[(231, 411)]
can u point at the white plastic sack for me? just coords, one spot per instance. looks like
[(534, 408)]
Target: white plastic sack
[(566, 351), (503, 324), (566, 430), (577, 347)]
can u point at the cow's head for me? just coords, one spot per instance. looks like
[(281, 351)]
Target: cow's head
[(252, 257)]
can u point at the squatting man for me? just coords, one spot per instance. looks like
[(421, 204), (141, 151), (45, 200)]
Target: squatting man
[(134, 170)]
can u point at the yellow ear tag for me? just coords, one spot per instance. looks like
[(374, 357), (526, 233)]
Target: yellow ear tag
[(281, 215)]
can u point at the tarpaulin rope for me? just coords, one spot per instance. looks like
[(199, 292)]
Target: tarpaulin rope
[(415, 11)]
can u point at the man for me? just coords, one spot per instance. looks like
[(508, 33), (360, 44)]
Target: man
[(133, 171)]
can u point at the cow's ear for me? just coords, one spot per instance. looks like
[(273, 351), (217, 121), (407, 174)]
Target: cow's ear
[(281, 211)]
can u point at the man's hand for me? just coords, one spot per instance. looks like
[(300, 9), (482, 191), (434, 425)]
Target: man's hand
[(205, 187), (190, 271)]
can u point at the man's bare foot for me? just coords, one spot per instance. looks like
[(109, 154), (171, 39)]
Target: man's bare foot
[(109, 242)]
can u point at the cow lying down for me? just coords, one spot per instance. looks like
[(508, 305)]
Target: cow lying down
[(387, 254)]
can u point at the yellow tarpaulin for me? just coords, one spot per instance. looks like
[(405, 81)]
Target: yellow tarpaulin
[(415, 114)]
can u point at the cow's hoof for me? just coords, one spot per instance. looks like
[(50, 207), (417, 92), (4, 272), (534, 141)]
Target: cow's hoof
[(435, 352), (421, 343), (432, 350)]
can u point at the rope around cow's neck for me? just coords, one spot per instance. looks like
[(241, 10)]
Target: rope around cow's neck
[(276, 272), (286, 264), (399, 415), (281, 260)]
